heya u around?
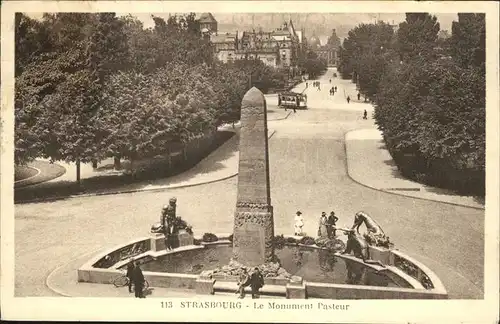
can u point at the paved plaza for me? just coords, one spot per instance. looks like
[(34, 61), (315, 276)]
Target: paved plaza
[(309, 172)]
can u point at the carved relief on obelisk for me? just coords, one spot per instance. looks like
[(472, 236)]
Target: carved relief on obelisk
[(253, 220)]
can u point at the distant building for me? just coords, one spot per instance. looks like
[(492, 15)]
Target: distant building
[(208, 23), (277, 48), (329, 51), (394, 26)]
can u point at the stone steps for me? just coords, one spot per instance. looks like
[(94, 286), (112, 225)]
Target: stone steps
[(247, 296), (267, 290)]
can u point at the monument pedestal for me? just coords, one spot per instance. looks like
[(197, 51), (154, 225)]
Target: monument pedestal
[(184, 238), (296, 288), (204, 285), (181, 239), (380, 254), (252, 240), (157, 242)]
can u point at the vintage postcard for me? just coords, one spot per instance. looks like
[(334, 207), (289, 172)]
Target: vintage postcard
[(250, 161)]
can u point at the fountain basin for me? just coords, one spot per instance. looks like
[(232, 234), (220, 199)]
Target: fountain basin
[(323, 274)]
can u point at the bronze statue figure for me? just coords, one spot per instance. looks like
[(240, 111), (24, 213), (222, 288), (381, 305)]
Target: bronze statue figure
[(374, 235)]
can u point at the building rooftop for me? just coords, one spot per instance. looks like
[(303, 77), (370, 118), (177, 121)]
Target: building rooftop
[(223, 38), (207, 17), (299, 35)]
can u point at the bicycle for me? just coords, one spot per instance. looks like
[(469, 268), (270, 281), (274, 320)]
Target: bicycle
[(123, 281)]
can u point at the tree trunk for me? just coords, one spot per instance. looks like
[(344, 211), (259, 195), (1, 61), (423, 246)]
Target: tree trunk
[(94, 163), (132, 171), (117, 162), (78, 172)]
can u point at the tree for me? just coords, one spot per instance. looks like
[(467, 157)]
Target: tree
[(143, 46), (313, 65), (432, 116), (417, 35), (372, 68), (452, 119), (66, 86), (180, 41), (148, 115), (40, 79), (363, 40), (467, 41), (32, 39)]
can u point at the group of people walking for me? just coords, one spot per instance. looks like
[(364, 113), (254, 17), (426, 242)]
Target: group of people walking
[(333, 90), (326, 227)]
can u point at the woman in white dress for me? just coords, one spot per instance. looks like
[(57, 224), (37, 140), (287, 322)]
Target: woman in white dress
[(323, 222), (299, 223)]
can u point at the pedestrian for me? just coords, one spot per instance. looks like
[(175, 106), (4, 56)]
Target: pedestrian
[(307, 85), (365, 115), (243, 281), (330, 80), (256, 282), (299, 223), (322, 229), (332, 222), (348, 99), (138, 280), (335, 88), (359, 96), (130, 271)]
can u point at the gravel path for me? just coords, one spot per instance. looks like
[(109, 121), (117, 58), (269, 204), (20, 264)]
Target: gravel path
[(308, 172), (370, 164)]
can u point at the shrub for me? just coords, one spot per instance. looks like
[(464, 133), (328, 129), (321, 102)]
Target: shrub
[(209, 237), (331, 244), (307, 240), (197, 242), (321, 242), (291, 240), (230, 238), (279, 241)]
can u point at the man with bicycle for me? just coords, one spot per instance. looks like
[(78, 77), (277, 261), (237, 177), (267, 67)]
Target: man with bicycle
[(138, 280), (130, 271)]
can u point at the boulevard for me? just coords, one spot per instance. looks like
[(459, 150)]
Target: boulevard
[(308, 173)]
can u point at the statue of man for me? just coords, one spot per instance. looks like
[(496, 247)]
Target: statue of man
[(168, 216)]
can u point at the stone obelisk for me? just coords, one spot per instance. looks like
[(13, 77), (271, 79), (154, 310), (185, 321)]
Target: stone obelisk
[(253, 220)]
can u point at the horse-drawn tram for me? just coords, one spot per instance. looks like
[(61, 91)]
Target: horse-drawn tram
[(292, 100)]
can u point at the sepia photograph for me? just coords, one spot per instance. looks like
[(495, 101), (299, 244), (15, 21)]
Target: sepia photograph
[(237, 162)]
